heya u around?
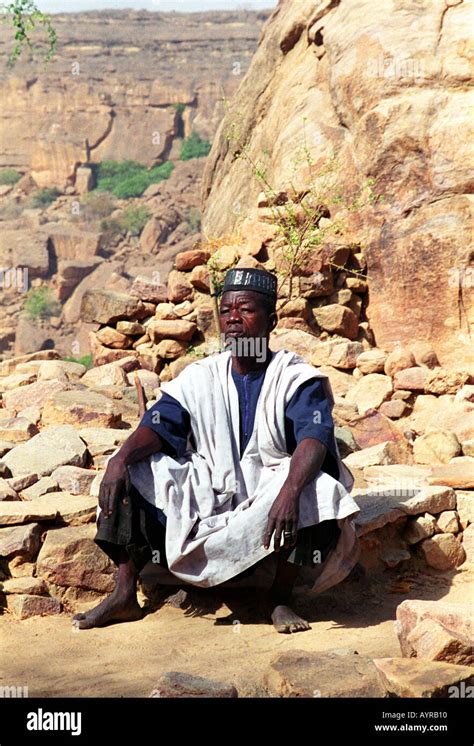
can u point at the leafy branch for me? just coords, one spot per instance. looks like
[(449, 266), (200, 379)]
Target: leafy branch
[(24, 16)]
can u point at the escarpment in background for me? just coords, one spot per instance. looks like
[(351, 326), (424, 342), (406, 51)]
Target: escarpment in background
[(129, 87), (124, 85), (385, 88)]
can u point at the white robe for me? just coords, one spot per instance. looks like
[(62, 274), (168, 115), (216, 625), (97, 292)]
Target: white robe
[(216, 502)]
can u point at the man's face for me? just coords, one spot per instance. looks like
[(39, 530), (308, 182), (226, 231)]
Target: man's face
[(242, 314)]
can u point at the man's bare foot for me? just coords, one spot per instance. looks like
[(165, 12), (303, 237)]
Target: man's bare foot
[(115, 608), (277, 608), (286, 620)]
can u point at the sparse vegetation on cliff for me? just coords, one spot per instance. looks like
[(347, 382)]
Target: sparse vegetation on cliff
[(39, 303), (43, 197), (9, 176), (194, 147), (126, 179)]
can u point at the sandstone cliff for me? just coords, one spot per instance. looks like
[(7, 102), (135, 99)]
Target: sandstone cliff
[(384, 87)]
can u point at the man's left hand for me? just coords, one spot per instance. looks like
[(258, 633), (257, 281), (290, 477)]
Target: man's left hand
[(283, 520)]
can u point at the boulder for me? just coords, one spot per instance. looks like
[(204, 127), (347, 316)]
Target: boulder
[(389, 452), (451, 475), (432, 641), (52, 447), (398, 360), (23, 541), (337, 319), (73, 479), (301, 673), (110, 337), (69, 557), (443, 552), (170, 329), (176, 684), (107, 307), (149, 289), (402, 677), (35, 394), (25, 585), (410, 613), (447, 522), (41, 487), (465, 507), (25, 606), (420, 528), (436, 446), (371, 361), (410, 379), (442, 381), (185, 261), (110, 374), (394, 409), (17, 429), (81, 408), (370, 392), (179, 287)]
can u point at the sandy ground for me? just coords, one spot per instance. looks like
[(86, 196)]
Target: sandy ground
[(224, 639)]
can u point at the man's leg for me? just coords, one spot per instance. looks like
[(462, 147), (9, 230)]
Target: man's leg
[(313, 546), (278, 598), (121, 605), (145, 534)]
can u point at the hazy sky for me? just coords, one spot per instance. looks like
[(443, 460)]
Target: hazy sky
[(74, 6)]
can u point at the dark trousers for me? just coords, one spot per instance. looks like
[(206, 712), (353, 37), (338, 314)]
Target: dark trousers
[(137, 527)]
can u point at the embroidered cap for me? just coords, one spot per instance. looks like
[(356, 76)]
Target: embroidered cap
[(258, 280)]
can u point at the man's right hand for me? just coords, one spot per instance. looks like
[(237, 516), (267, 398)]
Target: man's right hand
[(114, 486)]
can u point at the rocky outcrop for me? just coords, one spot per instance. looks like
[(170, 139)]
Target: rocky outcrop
[(381, 87)]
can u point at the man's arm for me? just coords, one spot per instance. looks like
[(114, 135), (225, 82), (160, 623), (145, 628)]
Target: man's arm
[(142, 443), (305, 465)]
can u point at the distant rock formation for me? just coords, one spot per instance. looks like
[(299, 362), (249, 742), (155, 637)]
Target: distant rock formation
[(114, 88)]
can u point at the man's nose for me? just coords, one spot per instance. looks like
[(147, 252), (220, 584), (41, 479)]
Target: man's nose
[(234, 315)]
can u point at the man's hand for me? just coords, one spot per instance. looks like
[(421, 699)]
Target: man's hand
[(115, 485), (305, 464), (116, 482), (283, 520)]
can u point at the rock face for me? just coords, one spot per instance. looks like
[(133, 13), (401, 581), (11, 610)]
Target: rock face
[(381, 87)]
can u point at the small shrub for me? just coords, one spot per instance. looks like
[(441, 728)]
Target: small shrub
[(9, 176), (134, 218), (43, 197), (194, 147), (84, 360), (96, 205), (39, 303)]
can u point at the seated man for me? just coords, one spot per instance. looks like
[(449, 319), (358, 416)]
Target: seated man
[(237, 460)]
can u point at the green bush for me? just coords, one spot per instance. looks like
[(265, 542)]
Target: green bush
[(194, 147), (134, 218), (9, 176), (39, 303), (43, 197), (127, 179), (84, 360)]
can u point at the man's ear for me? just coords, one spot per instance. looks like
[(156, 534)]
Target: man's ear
[(272, 321)]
